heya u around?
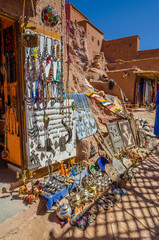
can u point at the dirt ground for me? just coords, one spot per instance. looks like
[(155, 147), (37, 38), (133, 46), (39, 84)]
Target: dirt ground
[(142, 113), (135, 217)]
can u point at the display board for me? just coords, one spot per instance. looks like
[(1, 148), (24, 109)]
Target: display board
[(50, 117), (85, 122), (126, 134)]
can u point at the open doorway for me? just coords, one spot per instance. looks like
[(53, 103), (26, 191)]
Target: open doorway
[(9, 129), (145, 92)]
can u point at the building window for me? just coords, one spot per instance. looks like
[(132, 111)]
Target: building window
[(130, 44), (92, 39), (98, 42)]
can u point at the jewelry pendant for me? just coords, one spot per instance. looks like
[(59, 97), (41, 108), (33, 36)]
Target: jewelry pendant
[(46, 121), (52, 103), (42, 156), (32, 144), (62, 144)]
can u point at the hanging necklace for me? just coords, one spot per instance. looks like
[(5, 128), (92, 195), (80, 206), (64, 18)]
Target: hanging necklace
[(58, 73), (61, 82)]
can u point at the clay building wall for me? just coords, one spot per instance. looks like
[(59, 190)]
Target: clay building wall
[(94, 38), (127, 82), (123, 48), (74, 14), (147, 64), (103, 86), (151, 53)]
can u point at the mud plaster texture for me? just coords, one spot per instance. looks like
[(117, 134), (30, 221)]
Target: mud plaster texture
[(80, 77)]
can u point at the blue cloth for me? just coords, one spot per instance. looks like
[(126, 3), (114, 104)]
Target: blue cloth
[(156, 126), (50, 200)]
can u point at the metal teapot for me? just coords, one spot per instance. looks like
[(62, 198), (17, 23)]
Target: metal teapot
[(63, 210), (84, 192)]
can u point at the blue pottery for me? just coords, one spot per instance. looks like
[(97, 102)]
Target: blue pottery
[(102, 162)]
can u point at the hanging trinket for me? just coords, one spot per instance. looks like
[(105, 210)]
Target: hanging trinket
[(46, 121), (45, 54), (33, 161), (58, 51), (32, 144), (61, 82), (58, 73), (49, 16), (62, 144), (69, 130), (48, 144)]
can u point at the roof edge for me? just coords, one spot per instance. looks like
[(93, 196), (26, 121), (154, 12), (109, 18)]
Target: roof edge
[(70, 4), (121, 38), (92, 25)]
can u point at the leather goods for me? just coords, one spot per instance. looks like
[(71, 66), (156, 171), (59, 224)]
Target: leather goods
[(29, 40)]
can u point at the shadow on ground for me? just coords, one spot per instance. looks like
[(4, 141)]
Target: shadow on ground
[(135, 217)]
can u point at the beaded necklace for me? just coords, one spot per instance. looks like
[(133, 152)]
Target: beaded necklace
[(61, 89)]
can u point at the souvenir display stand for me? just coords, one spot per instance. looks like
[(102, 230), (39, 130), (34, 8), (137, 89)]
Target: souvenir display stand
[(38, 120), (85, 122), (50, 117)]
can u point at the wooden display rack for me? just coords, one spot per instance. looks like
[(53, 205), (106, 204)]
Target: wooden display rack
[(16, 139)]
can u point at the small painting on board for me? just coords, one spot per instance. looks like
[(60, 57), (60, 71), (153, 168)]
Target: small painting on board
[(115, 136), (112, 173), (126, 134), (119, 167)]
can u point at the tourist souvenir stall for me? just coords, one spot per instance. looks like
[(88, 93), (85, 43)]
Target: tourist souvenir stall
[(48, 120), (98, 186), (38, 120), (146, 87)]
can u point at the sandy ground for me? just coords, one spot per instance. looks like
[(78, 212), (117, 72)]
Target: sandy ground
[(142, 113), (135, 217)]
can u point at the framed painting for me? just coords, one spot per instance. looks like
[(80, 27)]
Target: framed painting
[(115, 136), (119, 167), (126, 134)]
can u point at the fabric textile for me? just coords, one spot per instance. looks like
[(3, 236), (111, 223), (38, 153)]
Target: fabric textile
[(156, 126), (146, 92)]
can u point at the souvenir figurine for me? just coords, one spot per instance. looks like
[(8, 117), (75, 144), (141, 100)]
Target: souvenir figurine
[(62, 169), (92, 151)]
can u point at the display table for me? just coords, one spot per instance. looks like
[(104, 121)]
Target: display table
[(50, 200)]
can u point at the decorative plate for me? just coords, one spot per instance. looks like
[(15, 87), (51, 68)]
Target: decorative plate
[(49, 16)]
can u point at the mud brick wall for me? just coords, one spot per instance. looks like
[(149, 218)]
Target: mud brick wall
[(14, 8)]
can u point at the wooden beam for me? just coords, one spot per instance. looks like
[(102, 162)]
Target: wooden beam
[(43, 30)]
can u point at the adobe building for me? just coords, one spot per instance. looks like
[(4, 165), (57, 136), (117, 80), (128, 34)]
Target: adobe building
[(94, 36), (135, 71)]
